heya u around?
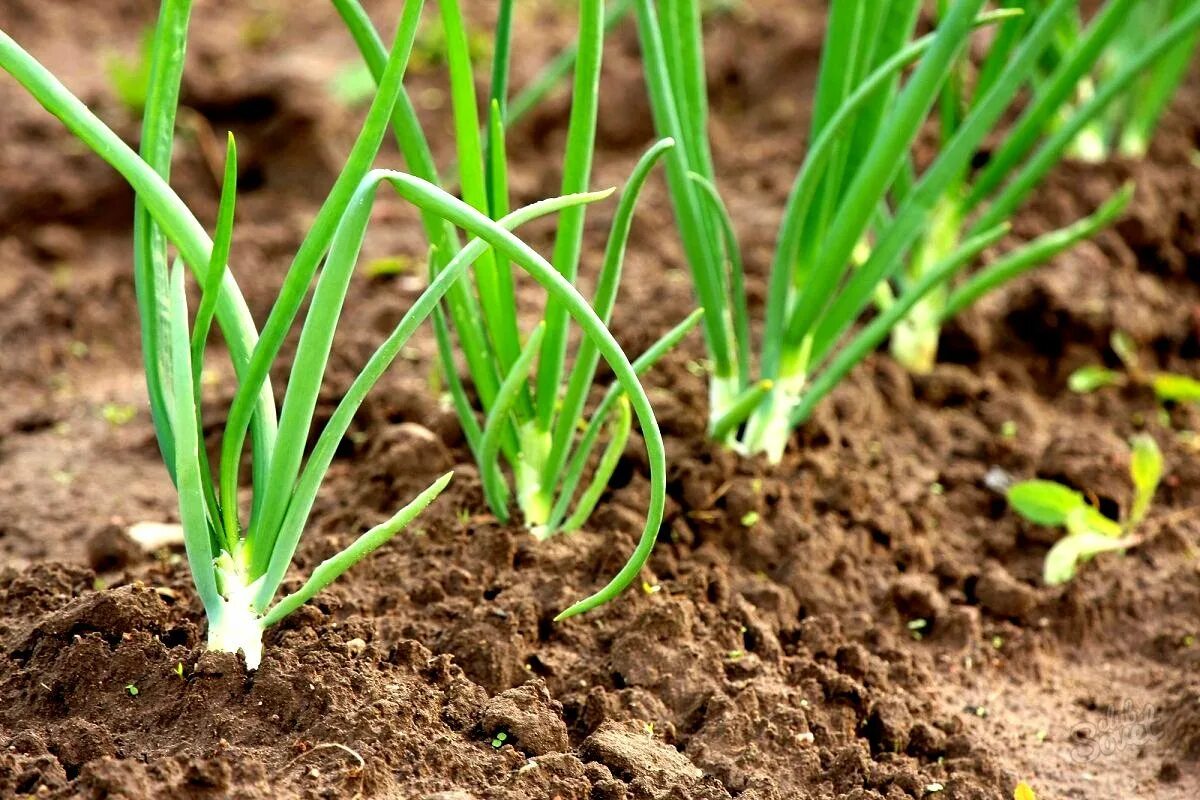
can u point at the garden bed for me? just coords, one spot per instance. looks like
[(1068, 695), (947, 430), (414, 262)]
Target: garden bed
[(866, 620)]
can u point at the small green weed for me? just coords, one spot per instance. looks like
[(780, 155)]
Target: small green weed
[(1089, 532)]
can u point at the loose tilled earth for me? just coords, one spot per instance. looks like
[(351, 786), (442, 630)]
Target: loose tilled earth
[(773, 650)]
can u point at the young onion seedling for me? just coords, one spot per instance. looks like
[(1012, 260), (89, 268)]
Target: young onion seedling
[(858, 212), (239, 565), (1089, 532), (530, 404), (1168, 387)]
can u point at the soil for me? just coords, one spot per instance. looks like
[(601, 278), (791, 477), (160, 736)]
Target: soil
[(879, 631)]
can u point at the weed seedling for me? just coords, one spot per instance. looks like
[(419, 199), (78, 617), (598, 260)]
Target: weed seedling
[(1168, 387), (1089, 532), (129, 76), (118, 414)]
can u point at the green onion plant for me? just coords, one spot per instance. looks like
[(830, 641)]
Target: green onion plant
[(528, 407), (1089, 532), (861, 225), (239, 557), (974, 200), (1127, 126)]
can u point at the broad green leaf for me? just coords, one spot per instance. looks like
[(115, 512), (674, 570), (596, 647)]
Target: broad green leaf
[(1074, 549), (1087, 519), (1175, 388), (1145, 467), (1044, 502), (1086, 380)]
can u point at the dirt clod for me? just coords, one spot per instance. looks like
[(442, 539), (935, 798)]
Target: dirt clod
[(634, 754), (530, 717), (1002, 595)]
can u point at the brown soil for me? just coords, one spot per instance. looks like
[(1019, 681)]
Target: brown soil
[(774, 660)]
